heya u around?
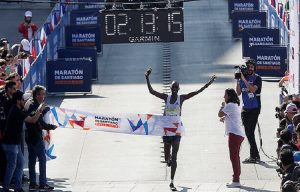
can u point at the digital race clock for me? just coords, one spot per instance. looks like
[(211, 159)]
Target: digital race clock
[(142, 25)]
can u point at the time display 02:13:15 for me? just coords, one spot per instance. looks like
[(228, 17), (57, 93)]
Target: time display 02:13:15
[(154, 22)]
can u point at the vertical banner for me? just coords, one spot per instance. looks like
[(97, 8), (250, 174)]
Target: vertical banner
[(77, 54), (69, 76), (258, 36), (247, 19), (294, 48), (242, 5), (270, 60), (85, 17), (78, 36)]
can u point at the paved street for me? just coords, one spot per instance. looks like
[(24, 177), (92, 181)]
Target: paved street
[(100, 161)]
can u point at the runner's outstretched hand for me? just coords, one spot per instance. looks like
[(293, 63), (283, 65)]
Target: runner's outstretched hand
[(148, 72)]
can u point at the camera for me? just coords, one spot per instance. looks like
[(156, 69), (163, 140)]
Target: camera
[(239, 70), (3, 42), (23, 55), (278, 113)]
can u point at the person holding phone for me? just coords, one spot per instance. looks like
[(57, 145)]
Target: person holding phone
[(230, 114)]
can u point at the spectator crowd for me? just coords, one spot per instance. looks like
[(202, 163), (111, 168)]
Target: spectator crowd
[(21, 116)]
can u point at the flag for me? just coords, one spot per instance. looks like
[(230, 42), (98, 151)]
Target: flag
[(43, 37), (33, 50), (273, 3), (47, 29), (62, 10), (281, 11), (58, 16), (51, 24), (26, 66), (39, 47), (55, 18)]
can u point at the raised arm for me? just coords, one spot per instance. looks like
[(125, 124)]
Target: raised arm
[(192, 94), (251, 88), (238, 87), (151, 90), (37, 114)]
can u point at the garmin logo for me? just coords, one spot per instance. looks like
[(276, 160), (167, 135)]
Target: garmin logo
[(144, 39)]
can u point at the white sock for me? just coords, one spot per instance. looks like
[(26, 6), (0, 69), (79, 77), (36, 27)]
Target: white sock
[(172, 180)]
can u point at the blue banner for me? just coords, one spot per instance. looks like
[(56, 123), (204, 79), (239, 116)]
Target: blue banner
[(258, 36), (271, 60), (242, 5), (85, 17), (87, 36), (90, 4), (247, 19), (78, 54), (69, 76)]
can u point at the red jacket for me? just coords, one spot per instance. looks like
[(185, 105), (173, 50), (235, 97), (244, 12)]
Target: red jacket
[(24, 29)]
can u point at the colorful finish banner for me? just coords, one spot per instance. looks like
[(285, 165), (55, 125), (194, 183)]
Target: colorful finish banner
[(138, 124)]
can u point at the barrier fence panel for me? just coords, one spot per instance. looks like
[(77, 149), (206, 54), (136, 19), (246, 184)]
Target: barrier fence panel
[(78, 54), (247, 19), (69, 76)]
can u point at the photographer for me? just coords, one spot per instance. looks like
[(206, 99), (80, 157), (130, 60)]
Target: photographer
[(27, 28), (249, 85)]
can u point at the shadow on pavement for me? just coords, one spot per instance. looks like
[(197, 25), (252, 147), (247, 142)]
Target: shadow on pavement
[(184, 189), (267, 165), (59, 184), (254, 189)]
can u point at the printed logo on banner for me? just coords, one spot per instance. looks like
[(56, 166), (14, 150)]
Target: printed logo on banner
[(68, 77), (77, 54), (65, 76), (110, 122), (91, 4), (247, 19), (85, 17), (271, 60), (259, 36), (70, 119), (139, 124), (242, 5), (88, 36)]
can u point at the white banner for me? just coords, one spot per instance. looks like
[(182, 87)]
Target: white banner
[(294, 48), (139, 124)]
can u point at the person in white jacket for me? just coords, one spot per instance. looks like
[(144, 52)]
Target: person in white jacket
[(230, 113)]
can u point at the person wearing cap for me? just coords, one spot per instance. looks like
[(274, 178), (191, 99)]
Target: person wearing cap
[(290, 111), (28, 28), (249, 87)]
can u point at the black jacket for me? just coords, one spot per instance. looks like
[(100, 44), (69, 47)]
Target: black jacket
[(34, 132)]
